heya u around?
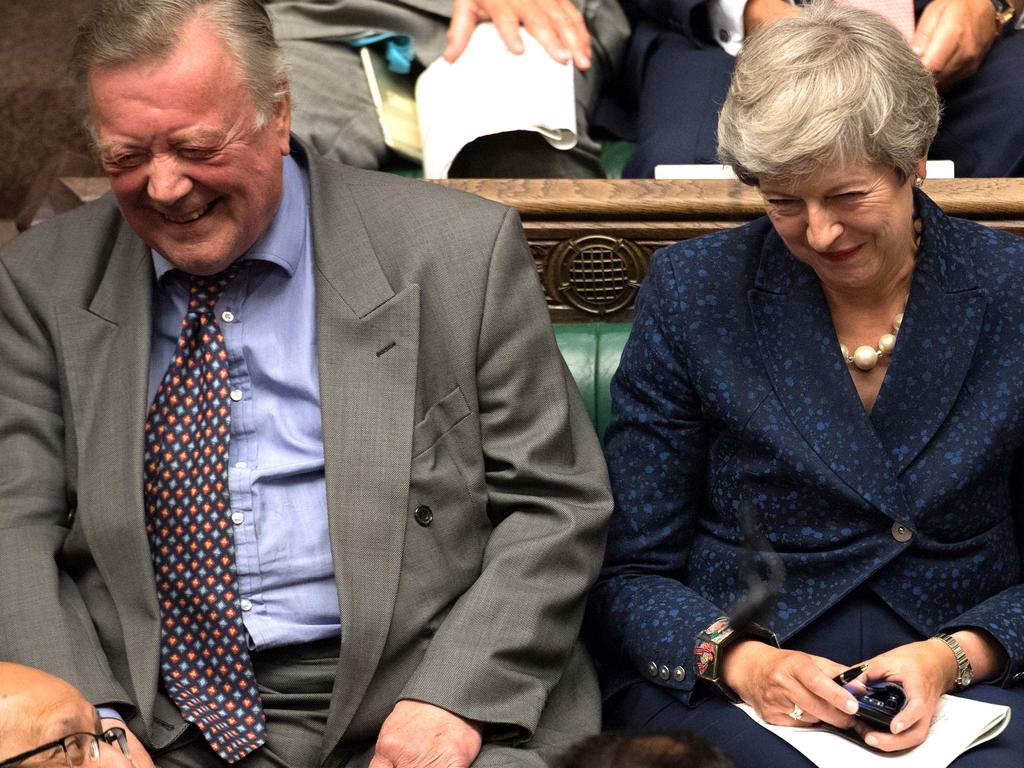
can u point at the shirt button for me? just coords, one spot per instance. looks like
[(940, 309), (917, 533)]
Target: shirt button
[(424, 515), (723, 35), (246, 604), (236, 395), (237, 518), (227, 316), (678, 674), (240, 465), (901, 533)]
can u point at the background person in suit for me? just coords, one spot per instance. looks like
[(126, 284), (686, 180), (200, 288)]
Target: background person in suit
[(764, 378), (353, 499), (46, 722), (682, 53), (334, 111)]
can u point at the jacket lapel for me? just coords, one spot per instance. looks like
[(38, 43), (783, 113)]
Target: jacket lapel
[(800, 351), (367, 347), (940, 330), (107, 359)]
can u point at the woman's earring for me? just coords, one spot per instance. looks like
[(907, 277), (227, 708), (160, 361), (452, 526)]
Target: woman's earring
[(918, 181)]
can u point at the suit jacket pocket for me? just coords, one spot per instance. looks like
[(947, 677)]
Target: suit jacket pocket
[(439, 419)]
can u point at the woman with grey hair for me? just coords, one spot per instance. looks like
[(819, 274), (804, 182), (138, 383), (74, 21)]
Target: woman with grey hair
[(839, 386)]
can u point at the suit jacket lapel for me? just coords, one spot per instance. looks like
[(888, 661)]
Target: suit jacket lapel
[(367, 347), (107, 359), (936, 343), (801, 355)]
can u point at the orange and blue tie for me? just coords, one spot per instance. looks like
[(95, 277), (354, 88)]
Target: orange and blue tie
[(204, 657)]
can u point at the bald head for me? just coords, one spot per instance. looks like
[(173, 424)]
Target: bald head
[(36, 708)]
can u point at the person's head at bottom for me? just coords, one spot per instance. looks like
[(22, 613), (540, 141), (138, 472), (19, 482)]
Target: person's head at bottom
[(44, 721), (625, 749)]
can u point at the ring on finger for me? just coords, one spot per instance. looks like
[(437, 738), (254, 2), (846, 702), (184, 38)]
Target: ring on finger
[(796, 713)]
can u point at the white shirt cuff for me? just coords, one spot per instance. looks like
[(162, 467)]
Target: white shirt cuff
[(727, 23)]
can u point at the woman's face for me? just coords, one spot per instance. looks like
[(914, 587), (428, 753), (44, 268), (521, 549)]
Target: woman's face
[(853, 226)]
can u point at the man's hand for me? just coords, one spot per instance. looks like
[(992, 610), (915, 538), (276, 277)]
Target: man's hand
[(774, 680), (556, 24), (952, 38), (140, 757), (759, 13), (420, 735)]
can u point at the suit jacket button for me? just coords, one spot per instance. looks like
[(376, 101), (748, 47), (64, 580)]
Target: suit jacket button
[(678, 674), (423, 515), (901, 533), (663, 672), (652, 669)]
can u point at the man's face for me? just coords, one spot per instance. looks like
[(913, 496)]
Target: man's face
[(37, 709), (191, 173)]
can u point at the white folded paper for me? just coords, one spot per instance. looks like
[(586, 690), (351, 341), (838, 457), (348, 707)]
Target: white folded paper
[(489, 90)]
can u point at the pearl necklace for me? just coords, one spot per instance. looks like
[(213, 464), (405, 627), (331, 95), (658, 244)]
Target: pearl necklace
[(865, 357)]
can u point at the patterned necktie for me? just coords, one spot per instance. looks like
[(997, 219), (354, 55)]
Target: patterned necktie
[(899, 13), (204, 659)]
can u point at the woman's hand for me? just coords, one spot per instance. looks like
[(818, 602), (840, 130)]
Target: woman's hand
[(774, 680), (926, 670)]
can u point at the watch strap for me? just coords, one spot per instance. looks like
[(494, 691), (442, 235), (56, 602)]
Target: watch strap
[(963, 664), (713, 640)]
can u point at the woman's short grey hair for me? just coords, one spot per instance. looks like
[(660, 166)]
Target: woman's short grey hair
[(124, 32), (835, 85)]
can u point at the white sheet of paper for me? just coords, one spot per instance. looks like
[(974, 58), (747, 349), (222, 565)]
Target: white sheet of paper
[(958, 725), (488, 90)]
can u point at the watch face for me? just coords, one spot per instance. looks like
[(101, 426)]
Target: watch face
[(966, 678)]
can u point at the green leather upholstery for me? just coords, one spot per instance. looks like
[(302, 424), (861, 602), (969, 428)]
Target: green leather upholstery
[(592, 352)]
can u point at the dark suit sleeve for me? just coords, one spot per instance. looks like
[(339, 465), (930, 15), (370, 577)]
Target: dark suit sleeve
[(44, 622), (1002, 615), (640, 610), (506, 641)]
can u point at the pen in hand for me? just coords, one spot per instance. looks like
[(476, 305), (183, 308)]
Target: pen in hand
[(851, 674)]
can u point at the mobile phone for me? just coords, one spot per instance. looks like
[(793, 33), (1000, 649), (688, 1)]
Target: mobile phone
[(880, 702)]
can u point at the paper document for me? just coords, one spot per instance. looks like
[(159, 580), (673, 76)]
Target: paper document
[(958, 725), (488, 90)]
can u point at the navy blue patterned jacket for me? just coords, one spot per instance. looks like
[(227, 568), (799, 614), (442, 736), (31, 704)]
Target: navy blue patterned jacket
[(732, 385)]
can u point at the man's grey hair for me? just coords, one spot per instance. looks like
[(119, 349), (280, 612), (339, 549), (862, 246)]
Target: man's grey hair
[(835, 85), (125, 32)]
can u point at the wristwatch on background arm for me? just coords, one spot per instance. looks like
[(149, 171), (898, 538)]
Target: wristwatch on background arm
[(712, 643), (964, 673), (1006, 12)]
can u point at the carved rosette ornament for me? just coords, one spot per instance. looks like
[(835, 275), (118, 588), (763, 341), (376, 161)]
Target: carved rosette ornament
[(595, 274)]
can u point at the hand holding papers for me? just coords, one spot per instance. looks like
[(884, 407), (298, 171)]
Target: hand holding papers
[(489, 90)]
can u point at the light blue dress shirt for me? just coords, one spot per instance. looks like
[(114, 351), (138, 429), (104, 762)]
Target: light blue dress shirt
[(276, 475)]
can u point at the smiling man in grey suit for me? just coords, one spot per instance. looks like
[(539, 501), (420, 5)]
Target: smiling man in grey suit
[(346, 511)]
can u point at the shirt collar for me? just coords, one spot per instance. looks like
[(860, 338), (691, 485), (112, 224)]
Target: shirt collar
[(283, 242)]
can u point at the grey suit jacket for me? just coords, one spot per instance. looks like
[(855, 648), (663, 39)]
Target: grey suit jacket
[(441, 384)]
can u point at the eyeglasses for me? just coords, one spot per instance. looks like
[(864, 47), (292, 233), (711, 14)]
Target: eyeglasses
[(77, 748)]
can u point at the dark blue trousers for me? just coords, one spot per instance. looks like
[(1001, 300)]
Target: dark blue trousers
[(858, 628), (682, 86)]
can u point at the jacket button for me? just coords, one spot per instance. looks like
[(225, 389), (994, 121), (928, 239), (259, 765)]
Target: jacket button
[(423, 515), (652, 669), (678, 674), (663, 672), (901, 533)]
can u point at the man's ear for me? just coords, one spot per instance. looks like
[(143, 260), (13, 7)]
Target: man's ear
[(282, 119)]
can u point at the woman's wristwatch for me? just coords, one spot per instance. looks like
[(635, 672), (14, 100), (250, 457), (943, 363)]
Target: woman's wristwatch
[(964, 673), (1005, 13), (711, 644)]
